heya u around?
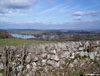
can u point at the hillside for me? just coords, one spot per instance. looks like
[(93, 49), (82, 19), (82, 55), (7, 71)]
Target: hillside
[(4, 34)]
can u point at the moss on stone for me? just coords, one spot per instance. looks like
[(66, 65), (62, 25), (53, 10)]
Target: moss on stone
[(2, 71), (10, 69), (77, 74), (85, 57), (38, 73), (12, 59)]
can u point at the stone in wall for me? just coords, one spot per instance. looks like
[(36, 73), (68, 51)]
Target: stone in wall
[(54, 59)]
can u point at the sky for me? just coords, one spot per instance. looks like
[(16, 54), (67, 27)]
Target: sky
[(50, 14)]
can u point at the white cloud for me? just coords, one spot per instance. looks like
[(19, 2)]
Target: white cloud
[(7, 6), (79, 18), (51, 9), (80, 14), (91, 13), (76, 25)]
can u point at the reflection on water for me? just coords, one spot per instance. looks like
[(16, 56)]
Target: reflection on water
[(22, 36), (32, 36)]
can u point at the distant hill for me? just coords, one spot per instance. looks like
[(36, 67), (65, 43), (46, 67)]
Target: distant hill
[(58, 31)]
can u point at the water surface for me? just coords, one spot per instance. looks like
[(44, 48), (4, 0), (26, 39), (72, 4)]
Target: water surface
[(22, 36)]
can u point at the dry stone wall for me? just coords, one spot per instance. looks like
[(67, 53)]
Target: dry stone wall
[(54, 59)]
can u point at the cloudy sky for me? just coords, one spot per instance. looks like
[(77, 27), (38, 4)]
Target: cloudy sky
[(50, 14)]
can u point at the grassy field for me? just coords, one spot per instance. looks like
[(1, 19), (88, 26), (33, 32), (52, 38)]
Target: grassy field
[(30, 32), (16, 42)]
